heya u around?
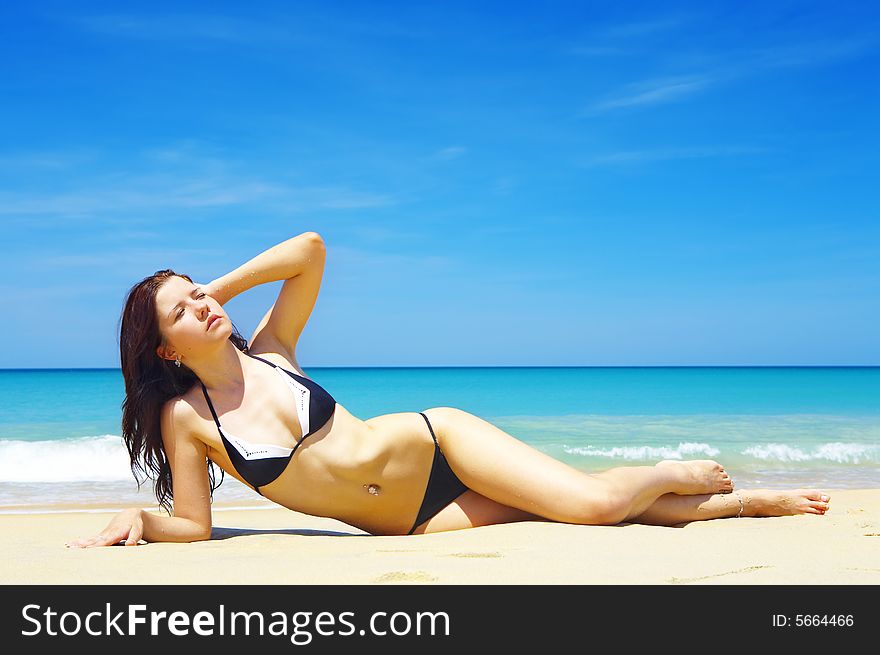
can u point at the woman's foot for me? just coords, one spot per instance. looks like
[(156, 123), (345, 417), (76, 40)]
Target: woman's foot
[(699, 476), (768, 502)]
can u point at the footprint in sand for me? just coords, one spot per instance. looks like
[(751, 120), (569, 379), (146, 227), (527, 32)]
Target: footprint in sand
[(479, 555), (406, 576)]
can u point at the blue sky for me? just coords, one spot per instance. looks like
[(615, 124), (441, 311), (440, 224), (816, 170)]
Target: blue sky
[(550, 184)]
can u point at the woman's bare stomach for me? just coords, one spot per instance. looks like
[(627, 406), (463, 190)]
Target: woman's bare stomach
[(369, 474)]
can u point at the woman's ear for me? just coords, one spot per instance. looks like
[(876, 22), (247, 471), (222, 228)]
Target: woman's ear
[(165, 352)]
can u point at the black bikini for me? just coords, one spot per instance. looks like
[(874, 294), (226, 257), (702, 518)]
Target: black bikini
[(443, 485), (259, 464)]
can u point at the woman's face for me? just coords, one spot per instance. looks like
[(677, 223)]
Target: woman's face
[(192, 323)]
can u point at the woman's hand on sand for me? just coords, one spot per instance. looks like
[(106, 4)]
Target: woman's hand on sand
[(126, 526)]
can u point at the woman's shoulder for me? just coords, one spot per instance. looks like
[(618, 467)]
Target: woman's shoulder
[(182, 415), (272, 351)]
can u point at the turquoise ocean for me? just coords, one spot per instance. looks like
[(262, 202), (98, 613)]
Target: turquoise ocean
[(774, 427)]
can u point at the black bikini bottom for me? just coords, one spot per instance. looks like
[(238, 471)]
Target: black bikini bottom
[(443, 485)]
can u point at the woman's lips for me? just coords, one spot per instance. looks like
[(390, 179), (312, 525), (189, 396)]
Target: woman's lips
[(213, 318)]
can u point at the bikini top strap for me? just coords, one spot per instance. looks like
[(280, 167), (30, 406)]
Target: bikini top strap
[(266, 361), (210, 404)]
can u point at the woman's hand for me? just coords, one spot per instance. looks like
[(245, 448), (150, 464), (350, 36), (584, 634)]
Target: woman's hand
[(127, 525), (215, 290), (205, 287)]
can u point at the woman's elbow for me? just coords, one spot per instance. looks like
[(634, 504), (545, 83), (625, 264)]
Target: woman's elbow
[(203, 535), (314, 238)]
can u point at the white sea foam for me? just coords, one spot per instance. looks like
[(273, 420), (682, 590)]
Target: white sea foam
[(841, 453), (102, 458), (834, 452), (682, 451)]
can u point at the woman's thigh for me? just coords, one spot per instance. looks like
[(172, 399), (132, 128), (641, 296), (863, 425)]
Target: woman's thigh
[(471, 510), (513, 474)]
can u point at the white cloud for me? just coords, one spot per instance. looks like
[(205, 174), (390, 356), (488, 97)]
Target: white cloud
[(624, 38), (731, 65), (133, 257), (814, 53), (503, 185), (321, 27), (49, 160), (135, 193), (652, 92), (661, 154), (599, 50), (178, 177), (448, 154), (641, 28), (186, 27), (35, 294), (358, 265)]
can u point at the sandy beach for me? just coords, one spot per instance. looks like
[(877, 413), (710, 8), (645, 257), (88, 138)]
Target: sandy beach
[(277, 546)]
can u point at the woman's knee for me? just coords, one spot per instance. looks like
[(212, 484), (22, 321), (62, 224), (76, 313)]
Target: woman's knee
[(600, 504)]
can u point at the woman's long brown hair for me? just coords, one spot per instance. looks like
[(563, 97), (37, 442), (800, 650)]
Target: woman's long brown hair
[(150, 381)]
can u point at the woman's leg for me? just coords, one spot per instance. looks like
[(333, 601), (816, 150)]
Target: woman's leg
[(672, 509), (471, 510), (512, 473)]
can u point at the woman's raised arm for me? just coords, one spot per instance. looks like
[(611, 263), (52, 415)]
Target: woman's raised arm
[(283, 261)]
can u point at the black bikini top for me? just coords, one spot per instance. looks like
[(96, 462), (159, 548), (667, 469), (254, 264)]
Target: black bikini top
[(259, 464)]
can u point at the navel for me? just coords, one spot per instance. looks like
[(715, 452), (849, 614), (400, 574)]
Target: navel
[(373, 489)]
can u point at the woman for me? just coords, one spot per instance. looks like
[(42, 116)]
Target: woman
[(196, 394)]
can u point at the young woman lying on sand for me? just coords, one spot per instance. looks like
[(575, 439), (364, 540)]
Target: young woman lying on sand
[(196, 394)]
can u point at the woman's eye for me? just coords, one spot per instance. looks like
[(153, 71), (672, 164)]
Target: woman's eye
[(180, 313)]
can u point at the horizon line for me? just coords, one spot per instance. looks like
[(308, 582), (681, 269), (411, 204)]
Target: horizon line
[(112, 368)]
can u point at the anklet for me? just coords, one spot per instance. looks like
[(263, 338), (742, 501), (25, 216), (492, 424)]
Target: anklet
[(741, 505)]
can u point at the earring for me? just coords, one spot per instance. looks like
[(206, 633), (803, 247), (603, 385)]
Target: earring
[(177, 362)]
